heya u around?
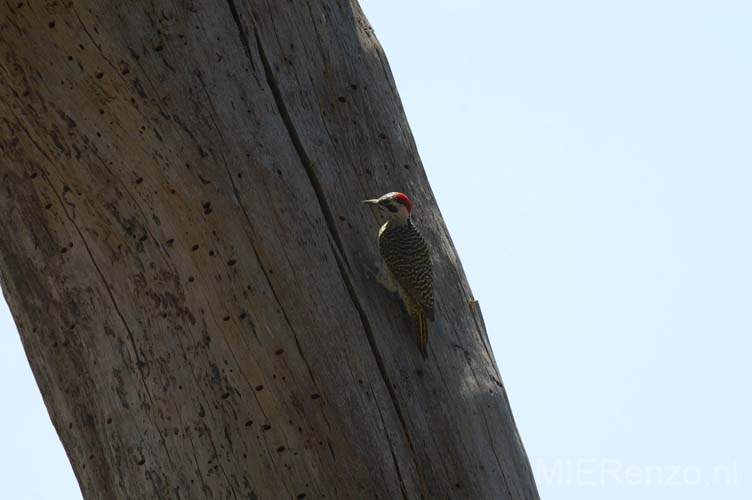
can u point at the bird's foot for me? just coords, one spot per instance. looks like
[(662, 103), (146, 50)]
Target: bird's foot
[(371, 273), (385, 279)]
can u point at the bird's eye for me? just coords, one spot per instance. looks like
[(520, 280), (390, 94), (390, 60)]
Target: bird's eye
[(390, 206)]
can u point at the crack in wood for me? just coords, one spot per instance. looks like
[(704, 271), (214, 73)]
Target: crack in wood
[(242, 34), (337, 247), (403, 489), (245, 213)]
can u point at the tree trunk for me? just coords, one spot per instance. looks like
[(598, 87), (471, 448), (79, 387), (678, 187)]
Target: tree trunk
[(186, 257)]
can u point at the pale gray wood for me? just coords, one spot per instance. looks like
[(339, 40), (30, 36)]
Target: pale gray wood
[(185, 255)]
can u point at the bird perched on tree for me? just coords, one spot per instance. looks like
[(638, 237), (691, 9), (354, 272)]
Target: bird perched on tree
[(408, 263)]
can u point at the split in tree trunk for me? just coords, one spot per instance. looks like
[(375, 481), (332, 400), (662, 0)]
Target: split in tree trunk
[(185, 255)]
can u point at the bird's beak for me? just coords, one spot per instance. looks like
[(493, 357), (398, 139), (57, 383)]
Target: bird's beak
[(375, 201)]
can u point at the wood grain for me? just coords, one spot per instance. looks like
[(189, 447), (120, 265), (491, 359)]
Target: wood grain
[(185, 255)]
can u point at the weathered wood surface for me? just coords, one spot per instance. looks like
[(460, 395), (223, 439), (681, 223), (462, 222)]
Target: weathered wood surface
[(184, 252)]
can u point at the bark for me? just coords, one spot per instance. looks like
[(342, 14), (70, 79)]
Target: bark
[(187, 261)]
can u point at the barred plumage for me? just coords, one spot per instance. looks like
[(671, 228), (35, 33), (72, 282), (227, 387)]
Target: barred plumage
[(406, 256), (408, 261)]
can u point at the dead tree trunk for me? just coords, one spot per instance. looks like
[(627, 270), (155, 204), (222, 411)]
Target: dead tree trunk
[(184, 252)]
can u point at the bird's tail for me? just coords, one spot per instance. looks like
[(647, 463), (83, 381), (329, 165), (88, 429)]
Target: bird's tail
[(422, 334)]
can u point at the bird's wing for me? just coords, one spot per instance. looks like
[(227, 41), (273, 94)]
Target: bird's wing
[(407, 258)]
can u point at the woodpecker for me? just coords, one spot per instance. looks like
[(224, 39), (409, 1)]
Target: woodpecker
[(408, 263)]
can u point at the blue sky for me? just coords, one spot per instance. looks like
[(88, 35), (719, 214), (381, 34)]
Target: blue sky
[(593, 161)]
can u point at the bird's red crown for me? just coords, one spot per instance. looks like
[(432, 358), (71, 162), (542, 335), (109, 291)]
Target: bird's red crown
[(402, 198)]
